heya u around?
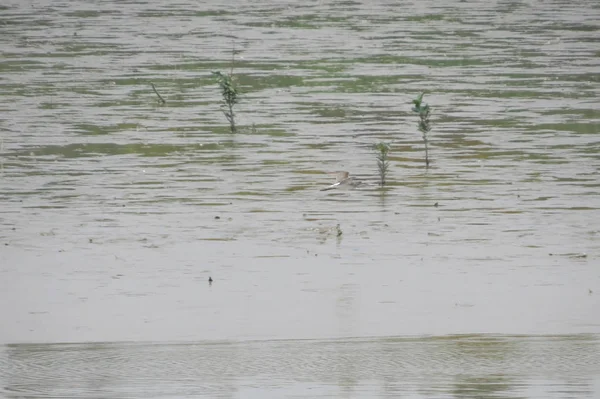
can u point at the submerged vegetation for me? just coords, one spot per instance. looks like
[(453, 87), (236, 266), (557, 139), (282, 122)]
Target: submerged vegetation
[(382, 150), (422, 109)]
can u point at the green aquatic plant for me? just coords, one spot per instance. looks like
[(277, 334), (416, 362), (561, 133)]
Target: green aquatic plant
[(423, 110), (230, 96), (381, 153)]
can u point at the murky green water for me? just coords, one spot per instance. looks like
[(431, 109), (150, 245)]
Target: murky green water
[(115, 210)]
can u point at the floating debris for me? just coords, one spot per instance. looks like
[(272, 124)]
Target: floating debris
[(581, 255)]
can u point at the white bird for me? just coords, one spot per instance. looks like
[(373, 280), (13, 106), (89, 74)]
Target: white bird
[(343, 180)]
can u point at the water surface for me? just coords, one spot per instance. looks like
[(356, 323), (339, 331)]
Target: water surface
[(469, 366), (115, 210)]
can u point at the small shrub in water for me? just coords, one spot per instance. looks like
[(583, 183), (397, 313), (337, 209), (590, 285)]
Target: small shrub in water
[(230, 97), (382, 150), (422, 109)]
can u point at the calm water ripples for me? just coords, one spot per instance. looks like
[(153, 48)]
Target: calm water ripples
[(452, 366), (115, 210)]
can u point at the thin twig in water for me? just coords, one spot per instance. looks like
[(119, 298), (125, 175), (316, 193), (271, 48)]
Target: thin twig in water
[(160, 99), (232, 58)]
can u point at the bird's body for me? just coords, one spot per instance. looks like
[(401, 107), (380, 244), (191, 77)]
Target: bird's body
[(343, 180)]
